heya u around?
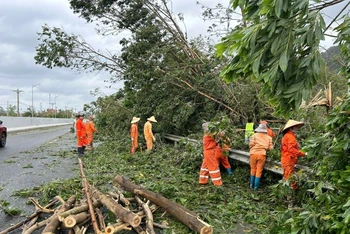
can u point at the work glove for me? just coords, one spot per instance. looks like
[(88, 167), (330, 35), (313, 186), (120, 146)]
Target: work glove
[(154, 139), (132, 139), (305, 153), (229, 171)]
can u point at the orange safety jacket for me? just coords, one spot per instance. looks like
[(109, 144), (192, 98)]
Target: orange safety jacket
[(289, 153), (134, 134), (260, 143), (147, 131), (81, 133), (90, 130)]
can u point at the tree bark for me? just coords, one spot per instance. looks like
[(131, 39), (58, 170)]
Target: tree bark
[(125, 215), (187, 217), (52, 226)]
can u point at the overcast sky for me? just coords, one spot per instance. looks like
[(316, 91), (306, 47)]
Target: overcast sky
[(20, 20)]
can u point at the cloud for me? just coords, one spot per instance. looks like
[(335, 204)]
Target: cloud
[(20, 21)]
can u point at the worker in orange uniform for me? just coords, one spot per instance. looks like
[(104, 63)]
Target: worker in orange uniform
[(290, 149), (134, 134), (269, 130), (90, 131), (210, 165), (259, 144), (147, 131), (81, 134)]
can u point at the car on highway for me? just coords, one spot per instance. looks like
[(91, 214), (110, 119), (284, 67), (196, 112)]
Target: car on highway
[(3, 134)]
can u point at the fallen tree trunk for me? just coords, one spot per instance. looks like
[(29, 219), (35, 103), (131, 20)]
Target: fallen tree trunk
[(125, 215), (187, 217)]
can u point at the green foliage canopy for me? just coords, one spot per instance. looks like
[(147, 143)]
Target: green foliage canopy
[(279, 49)]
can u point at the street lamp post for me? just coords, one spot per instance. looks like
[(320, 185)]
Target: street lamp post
[(33, 99)]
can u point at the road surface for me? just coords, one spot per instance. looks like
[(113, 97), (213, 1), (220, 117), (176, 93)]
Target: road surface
[(31, 159)]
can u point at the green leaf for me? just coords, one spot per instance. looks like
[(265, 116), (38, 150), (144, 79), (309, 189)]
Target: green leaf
[(279, 8), (283, 62), (256, 66)]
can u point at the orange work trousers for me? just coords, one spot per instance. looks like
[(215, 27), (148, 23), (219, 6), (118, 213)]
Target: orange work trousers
[(257, 162), (210, 168), (288, 170), (134, 146)]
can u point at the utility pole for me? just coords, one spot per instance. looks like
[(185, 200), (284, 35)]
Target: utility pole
[(18, 92), (33, 99), (55, 106), (51, 103)]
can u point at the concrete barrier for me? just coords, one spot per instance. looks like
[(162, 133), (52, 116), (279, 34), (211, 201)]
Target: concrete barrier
[(14, 124)]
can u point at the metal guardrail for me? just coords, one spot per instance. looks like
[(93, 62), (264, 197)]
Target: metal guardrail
[(241, 156)]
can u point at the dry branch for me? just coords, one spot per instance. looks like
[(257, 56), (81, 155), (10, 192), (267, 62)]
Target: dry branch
[(121, 212), (52, 226), (149, 215), (87, 195), (121, 196), (187, 217)]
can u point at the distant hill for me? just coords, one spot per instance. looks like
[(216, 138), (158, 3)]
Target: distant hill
[(332, 58)]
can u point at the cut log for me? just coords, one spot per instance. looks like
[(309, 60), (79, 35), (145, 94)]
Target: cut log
[(77, 210), (55, 222), (187, 217), (114, 228), (71, 220), (125, 215)]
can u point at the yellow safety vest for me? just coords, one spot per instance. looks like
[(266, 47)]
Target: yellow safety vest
[(249, 130)]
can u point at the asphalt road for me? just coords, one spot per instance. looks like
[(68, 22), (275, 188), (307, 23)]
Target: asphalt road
[(31, 159)]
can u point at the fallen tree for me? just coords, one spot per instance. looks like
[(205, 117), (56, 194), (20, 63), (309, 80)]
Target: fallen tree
[(120, 212)]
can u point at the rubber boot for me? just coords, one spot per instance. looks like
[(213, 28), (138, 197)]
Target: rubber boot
[(83, 149), (251, 184), (80, 150), (256, 183)]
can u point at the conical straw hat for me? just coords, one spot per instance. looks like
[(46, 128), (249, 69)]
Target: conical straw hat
[(135, 120), (292, 123), (152, 119)]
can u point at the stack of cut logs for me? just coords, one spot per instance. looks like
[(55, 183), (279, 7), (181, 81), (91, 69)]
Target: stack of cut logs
[(134, 213)]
